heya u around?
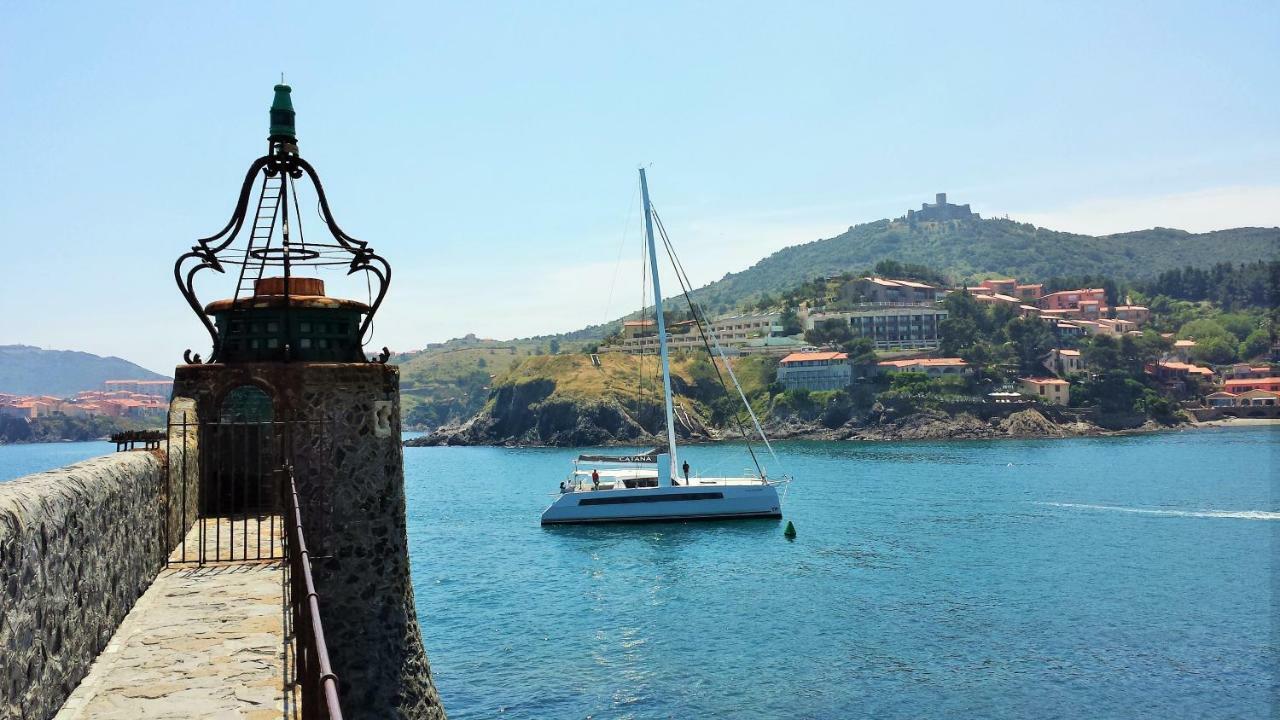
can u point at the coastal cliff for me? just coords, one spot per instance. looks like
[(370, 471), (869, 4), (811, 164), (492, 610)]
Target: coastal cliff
[(569, 400)]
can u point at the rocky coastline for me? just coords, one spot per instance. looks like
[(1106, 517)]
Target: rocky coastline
[(598, 424)]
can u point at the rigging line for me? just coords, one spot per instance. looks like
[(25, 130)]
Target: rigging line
[(685, 283), (695, 309), (622, 245), (644, 274), (699, 320)]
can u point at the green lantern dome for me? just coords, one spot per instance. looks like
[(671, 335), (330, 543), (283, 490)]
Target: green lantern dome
[(282, 115)]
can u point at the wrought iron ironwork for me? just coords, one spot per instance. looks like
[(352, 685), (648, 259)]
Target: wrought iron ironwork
[(215, 251)]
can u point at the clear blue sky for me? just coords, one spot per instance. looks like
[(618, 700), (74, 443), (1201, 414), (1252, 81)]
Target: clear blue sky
[(489, 149)]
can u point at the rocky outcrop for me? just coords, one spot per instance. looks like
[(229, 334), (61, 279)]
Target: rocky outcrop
[(531, 413), (78, 546)]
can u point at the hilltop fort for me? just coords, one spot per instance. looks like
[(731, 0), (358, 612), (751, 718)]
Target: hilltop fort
[(941, 210)]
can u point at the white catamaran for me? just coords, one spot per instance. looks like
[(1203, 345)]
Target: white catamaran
[(638, 488)]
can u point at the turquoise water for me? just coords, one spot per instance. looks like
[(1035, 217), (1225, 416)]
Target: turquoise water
[(1098, 578), (19, 460), (1095, 578)]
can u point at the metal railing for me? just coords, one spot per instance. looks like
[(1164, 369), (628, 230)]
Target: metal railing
[(314, 674), (222, 478)]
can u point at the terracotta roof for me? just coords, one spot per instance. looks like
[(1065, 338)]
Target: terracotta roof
[(1184, 343), (1237, 382), (926, 362), (1044, 381), (1069, 353), (803, 356), (1175, 365), (270, 301)]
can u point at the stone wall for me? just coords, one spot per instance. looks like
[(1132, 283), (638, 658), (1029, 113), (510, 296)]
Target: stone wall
[(78, 545)]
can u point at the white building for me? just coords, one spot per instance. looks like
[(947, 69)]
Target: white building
[(891, 326), (732, 331), (815, 371)]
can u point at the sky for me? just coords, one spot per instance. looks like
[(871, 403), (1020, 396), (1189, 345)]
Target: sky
[(489, 150)]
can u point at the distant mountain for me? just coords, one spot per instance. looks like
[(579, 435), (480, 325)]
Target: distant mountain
[(27, 370), (967, 248)]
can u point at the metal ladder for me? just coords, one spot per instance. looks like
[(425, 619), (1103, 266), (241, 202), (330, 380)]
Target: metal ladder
[(264, 224)]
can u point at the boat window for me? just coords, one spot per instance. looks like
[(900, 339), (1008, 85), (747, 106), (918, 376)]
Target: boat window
[(627, 499)]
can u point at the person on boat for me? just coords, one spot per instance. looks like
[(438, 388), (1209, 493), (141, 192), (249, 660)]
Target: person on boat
[(595, 479), (686, 472)]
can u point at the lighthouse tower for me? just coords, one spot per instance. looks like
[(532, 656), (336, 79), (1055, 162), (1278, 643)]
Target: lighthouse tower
[(287, 394)]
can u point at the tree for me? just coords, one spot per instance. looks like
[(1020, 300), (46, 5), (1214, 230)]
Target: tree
[(956, 335), (1102, 354), (1031, 341), (554, 347), (1256, 345), (790, 322), (861, 351), (829, 332), (1204, 329), (1218, 350), (1238, 324)]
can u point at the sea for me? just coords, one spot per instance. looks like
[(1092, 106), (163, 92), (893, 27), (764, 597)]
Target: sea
[(1119, 577)]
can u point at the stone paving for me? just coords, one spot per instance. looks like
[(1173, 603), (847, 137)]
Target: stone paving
[(232, 540), (202, 642)]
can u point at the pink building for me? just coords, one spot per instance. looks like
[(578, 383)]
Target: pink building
[(1072, 299)]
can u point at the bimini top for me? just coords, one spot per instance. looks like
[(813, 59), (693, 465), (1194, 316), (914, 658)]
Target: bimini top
[(650, 457)]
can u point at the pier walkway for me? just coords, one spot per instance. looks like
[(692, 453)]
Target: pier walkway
[(202, 642)]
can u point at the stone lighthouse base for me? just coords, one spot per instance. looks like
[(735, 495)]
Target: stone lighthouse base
[(338, 425)]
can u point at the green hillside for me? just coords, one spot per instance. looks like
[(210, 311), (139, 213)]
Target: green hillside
[(27, 370), (966, 249), (450, 381)]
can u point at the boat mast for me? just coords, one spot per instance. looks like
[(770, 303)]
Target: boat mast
[(662, 326)]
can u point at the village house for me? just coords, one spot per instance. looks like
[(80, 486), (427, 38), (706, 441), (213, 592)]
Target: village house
[(815, 371), (1221, 399), (1030, 293), (933, 367), (1137, 314), (1001, 286), (1243, 385), (1051, 390), (1251, 398), (1094, 298), (1067, 329), (997, 298), (1241, 371), (886, 290), (1064, 361), (1182, 349)]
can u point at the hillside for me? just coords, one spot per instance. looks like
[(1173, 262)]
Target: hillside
[(965, 249), (449, 382), (569, 400), (27, 370)]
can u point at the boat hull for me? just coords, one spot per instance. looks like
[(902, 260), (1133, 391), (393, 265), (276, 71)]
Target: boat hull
[(665, 504)]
